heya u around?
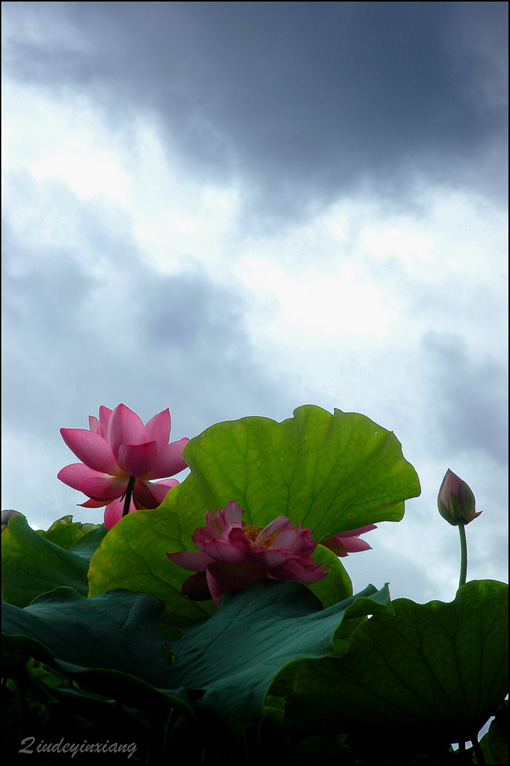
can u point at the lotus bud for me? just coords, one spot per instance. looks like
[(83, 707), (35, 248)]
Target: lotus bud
[(456, 501)]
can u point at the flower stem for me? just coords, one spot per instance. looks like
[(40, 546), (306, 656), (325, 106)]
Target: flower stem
[(127, 495), (463, 553), (478, 752)]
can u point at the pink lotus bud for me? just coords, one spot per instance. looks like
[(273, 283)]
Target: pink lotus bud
[(456, 501)]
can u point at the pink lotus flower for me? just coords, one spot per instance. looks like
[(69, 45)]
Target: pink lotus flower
[(234, 555), (119, 457), (348, 542)]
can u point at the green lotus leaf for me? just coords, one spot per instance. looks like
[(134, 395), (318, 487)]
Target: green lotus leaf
[(32, 565), (331, 473), (118, 630), (66, 532), (230, 659), (436, 667)]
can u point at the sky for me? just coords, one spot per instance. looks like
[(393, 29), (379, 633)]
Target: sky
[(235, 209)]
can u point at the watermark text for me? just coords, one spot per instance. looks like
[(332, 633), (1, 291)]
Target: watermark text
[(29, 747)]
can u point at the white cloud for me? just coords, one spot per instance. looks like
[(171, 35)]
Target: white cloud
[(177, 221), (62, 140)]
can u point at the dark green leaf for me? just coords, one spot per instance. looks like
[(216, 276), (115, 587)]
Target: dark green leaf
[(232, 657), (497, 736), (118, 630), (32, 565), (433, 667), (86, 545)]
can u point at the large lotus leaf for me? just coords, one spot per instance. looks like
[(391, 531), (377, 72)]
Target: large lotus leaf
[(32, 564), (232, 657), (118, 630), (436, 667), (332, 473)]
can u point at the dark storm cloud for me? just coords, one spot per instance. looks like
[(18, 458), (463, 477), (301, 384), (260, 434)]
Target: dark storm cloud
[(305, 101), (88, 323), (467, 399)]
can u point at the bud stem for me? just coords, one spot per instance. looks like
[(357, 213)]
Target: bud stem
[(127, 495), (463, 553), (478, 752)]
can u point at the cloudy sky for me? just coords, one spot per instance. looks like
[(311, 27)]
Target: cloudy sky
[(234, 209)]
